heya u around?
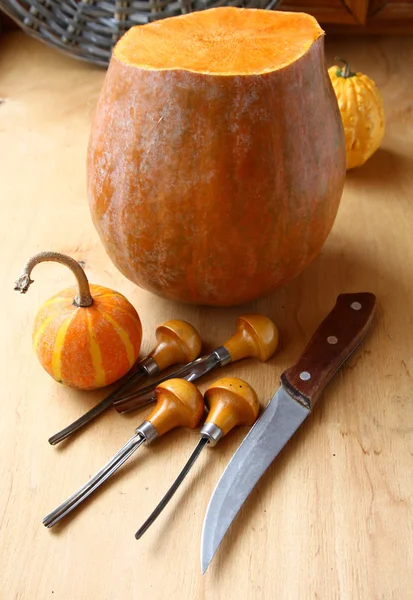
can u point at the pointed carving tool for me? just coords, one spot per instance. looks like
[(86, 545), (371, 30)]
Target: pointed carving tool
[(177, 342), (301, 385), (255, 336), (231, 402), (179, 404)]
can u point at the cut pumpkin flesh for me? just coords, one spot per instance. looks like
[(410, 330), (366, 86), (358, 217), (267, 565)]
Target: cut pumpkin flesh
[(220, 41)]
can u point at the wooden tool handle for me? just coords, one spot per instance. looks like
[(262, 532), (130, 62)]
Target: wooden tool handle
[(231, 402), (255, 336), (333, 342), (179, 403), (178, 342)]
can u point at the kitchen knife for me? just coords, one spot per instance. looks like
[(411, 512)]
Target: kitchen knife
[(301, 385)]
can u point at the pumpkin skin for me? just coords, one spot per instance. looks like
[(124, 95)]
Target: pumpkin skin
[(216, 189), (87, 347), (361, 108)]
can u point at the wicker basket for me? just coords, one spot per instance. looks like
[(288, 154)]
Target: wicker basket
[(88, 29)]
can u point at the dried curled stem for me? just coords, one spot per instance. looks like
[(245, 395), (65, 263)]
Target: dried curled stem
[(345, 72), (83, 298)]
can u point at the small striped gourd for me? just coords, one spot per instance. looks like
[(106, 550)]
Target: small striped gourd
[(85, 338)]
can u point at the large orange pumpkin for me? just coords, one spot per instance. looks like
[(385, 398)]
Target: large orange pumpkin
[(216, 159)]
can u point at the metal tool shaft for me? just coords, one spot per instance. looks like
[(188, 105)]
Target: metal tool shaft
[(96, 481), (102, 406), (200, 446), (191, 372)]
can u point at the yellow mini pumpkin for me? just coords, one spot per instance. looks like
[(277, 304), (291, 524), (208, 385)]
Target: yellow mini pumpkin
[(361, 108)]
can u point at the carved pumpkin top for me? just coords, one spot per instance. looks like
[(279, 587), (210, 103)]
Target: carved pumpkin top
[(220, 41)]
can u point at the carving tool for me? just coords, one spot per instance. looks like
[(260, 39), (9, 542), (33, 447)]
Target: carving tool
[(301, 385), (178, 404), (177, 342), (255, 336), (231, 402)]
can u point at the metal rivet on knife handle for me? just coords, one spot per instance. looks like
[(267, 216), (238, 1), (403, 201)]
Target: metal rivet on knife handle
[(256, 336), (231, 402), (179, 404), (177, 342)]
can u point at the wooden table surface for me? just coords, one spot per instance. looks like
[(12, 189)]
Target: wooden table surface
[(332, 517)]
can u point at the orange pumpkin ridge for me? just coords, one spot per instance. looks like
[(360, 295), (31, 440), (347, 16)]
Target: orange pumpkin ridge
[(215, 175)]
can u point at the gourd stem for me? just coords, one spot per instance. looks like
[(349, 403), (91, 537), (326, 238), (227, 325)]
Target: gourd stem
[(83, 298), (345, 71)]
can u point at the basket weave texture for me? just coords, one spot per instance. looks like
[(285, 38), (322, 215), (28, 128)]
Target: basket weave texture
[(89, 29)]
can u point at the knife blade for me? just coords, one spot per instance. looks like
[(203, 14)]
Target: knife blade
[(301, 385)]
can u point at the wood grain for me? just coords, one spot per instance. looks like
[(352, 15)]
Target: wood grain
[(325, 11), (358, 8), (332, 518), (382, 18), (360, 17), (349, 12)]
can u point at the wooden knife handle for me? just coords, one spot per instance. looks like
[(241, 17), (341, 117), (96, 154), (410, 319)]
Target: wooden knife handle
[(337, 337)]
